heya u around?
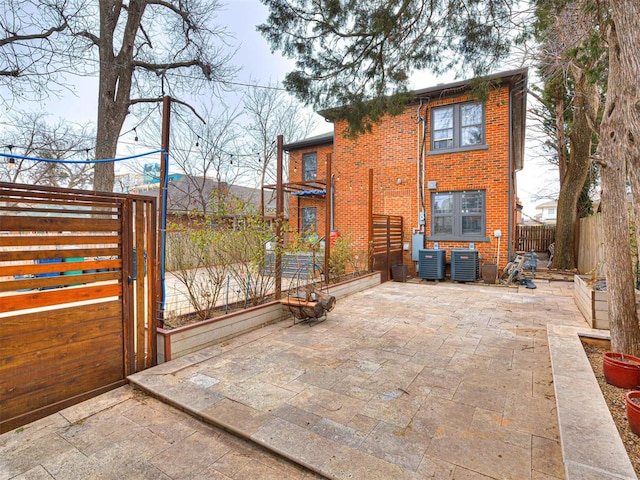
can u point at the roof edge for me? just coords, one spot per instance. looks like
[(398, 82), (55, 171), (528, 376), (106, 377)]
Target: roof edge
[(323, 139), (512, 77)]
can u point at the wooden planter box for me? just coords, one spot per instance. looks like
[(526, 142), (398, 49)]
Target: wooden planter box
[(181, 341), (592, 304)]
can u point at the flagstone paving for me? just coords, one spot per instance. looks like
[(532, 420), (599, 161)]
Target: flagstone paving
[(125, 434), (403, 381)]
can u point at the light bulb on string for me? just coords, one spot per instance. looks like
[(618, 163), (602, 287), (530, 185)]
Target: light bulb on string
[(198, 142), (136, 134), (12, 161), (231, 161)]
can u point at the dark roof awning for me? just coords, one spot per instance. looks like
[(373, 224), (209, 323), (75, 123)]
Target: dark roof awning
[(309, 193)]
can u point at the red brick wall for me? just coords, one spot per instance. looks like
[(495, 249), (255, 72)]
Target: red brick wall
[(392, 150), (295, 175)]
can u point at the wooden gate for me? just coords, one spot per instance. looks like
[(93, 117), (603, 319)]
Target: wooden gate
[(77, 296), (387, 243), (534, 237)]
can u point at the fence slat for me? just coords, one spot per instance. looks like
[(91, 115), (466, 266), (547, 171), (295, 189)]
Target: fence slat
[(590, 245), (535, 237)]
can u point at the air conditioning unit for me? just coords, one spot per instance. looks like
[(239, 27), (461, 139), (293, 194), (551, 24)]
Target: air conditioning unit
[(432, 264), (465, 266)]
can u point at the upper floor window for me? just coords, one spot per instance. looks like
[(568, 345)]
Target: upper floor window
[(457, 126), (458, 215), (309, 166)]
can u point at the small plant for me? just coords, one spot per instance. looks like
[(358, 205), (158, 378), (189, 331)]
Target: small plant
[(200, 268), (344, 259)]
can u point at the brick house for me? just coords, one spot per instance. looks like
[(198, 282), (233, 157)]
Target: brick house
[(447, 165)]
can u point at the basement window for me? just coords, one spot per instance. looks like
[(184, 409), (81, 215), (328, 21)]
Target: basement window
[(459, 126)]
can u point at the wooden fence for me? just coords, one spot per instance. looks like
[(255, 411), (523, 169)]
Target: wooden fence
[(590, 245), (387, 243), (77, 296), (534, 237)]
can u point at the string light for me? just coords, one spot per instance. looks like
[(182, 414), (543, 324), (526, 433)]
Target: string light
[(12, 161), (70, 152), (136, 133), (198, 142)]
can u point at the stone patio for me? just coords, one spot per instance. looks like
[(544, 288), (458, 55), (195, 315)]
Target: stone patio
[(403, 381)]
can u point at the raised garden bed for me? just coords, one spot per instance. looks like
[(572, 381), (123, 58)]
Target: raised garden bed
[(181, 341), (593, 304)]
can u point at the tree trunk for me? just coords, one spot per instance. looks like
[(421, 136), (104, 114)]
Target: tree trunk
[(585, 106), (619, 143), (114, 89), (561, 148)]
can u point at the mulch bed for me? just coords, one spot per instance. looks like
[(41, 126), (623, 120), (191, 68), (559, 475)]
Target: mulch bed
[(614, 397)]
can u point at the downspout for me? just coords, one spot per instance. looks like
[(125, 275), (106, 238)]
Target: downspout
[(511, 173), (419, 166), (422, 137)]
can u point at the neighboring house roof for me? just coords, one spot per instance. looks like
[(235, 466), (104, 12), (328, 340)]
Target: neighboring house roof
[(186, 194), (549, 204)]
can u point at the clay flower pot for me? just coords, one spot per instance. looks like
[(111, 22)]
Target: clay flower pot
[(632, 400), (621, 370)]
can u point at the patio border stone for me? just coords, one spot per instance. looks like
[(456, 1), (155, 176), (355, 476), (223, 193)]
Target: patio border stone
[(591, 445)]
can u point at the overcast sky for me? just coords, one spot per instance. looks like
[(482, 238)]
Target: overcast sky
[(258, 65)]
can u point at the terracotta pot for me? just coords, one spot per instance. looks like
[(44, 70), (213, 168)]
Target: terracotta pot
[(633, 411), (620, 370)]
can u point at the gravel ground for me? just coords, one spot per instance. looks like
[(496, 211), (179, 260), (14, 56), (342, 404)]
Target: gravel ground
[(614, 397)]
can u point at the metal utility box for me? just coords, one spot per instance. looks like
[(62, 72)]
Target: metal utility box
[(432, 264), (465, 266), (417, 244)]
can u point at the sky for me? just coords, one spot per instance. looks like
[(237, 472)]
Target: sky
[(258, 65)]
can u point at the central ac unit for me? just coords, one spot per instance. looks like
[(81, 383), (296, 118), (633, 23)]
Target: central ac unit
[(465, 266), (431, 264)]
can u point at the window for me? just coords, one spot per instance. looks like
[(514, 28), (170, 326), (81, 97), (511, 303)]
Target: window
[(458, 215), (309, 166), (308, 221), (458, 126)]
